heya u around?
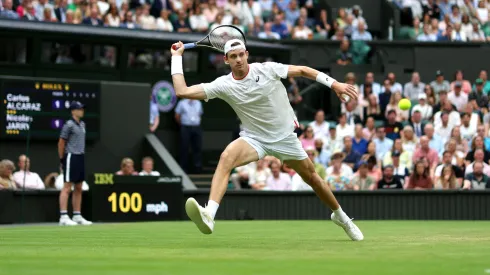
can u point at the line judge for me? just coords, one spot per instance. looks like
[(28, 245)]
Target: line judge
[(71, 150)]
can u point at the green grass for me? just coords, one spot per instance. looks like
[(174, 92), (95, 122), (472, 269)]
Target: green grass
[(252, 247)]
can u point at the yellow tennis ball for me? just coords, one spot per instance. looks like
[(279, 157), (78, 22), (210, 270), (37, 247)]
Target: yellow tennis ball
[(404, 104)]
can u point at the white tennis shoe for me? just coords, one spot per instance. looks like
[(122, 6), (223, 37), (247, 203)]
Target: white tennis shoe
[(65, 220), (80, 220), (199, 215), (349, 227)]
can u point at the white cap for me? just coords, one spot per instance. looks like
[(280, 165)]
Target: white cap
[(422, 96), (228, 46)]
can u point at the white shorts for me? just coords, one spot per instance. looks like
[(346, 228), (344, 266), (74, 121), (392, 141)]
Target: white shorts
[(288, 148)]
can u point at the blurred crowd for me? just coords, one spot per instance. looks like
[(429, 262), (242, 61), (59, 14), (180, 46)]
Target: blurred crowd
[(441, 142), (267, 19), (21, 177), (444, 20)]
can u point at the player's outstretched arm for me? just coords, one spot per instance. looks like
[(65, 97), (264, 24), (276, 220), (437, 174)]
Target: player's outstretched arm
[(341, 89), (181, 89)]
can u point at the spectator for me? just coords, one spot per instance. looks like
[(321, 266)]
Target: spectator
[(424, 151), (294, 96), (266, 7), (400, 171), (7, 11), (409, 139), (468, 8), (236, 23), (349, 27), (351, 157), (124, 8), (385, 97), (478, 98), (445, 7), (323, 156), (211, 11), (486, 84), (372, 109), (400, 115), (447, 180), (458, 34), (147, 168), (127, 168), (455, 17), (477, 180), (431, 97), (333, 143), (361, 33), (128, 22), (250, 10), (359, 144), (357, 13), (257, 179), (280, 27), (164, 24), (322, 26), (479, 157), (444, 128), (308, 139), (395, 86), (447, 160), (182, 23), (439, 84), (361, 179), (435, 141), (278, 181), (476, 34), (188, 114), (457, 97), (233, 7), (268, 33), (405, 157), (292, 13), (370, 152), (417, 124), (341, 18), (389, 181), (373, 170), (420, 178), (320, 126), (344, 54), (112, 18), (369, 131), (461, 144), (352, 113), (467, 132), (466, 25), (7, 167), (93, 20), (24, 178), (426, 35), (256, 28), (482, 12), (454, 118), (241, 175), (70, 18), (434, 27), (446, 35), (301, 31), (337, 167), (40, 6), (30, 13), (344, 129), (477, 143), (414, 88), (392, 126), (383, 144), (48, 17), (369, 79), (339, 35), (432, 9), (480, 131)]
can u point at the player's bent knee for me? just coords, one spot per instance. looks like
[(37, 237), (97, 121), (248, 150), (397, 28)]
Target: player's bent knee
[(227, 160)]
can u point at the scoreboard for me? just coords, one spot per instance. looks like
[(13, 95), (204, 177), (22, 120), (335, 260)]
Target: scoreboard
[(40, 107)]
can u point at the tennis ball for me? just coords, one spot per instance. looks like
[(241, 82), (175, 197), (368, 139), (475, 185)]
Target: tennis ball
[(404, 104)]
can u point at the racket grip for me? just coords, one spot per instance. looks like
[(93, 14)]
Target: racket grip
[(189, 45)]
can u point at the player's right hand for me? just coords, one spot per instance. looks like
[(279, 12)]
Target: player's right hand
[(177, 49), (342, 89)]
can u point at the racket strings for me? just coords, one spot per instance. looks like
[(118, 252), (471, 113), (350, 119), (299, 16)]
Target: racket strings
[(220, 35)]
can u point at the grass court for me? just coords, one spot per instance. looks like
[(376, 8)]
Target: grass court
[(247, 247)]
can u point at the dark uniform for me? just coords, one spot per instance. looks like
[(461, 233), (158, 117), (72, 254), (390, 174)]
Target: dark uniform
[(73, 161)]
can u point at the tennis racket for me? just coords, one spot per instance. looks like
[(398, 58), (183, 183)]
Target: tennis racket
[(216, 39)]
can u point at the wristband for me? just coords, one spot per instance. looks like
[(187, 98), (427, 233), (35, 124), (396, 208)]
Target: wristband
[(325, 79), (176, 65)]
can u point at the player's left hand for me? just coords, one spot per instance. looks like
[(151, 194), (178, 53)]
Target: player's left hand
[(343, 89)]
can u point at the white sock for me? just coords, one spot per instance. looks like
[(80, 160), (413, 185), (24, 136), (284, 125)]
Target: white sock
[(341, 214), (212, 207)]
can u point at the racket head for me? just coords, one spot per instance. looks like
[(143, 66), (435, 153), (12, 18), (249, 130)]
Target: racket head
[(220, 35)]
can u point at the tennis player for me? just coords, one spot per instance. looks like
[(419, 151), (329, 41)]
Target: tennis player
[(257, 95)]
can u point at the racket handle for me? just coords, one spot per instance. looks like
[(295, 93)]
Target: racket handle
[(186, 46)]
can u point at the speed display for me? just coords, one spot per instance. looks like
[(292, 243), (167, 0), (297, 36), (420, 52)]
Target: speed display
[(39, 108)]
